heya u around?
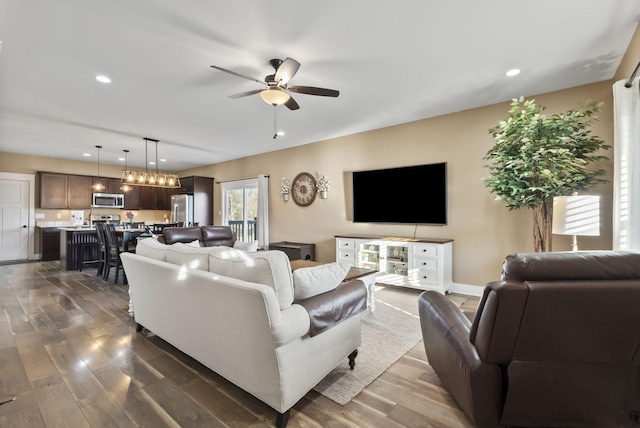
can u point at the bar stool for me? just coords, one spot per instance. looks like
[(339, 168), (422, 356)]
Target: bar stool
[(86, 248)]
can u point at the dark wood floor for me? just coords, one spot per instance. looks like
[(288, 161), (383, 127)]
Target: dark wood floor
[(70, 355)]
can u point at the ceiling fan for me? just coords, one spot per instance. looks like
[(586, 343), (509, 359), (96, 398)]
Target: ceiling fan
[(277, 91)]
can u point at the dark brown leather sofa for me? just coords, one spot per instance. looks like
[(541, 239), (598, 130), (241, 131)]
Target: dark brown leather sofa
[(209, 236), (554, 343)]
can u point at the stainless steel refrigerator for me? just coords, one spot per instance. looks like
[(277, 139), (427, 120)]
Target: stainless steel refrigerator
[(182, 209)]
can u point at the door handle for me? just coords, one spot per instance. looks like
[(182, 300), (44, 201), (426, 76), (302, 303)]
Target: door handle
[(24, 226)]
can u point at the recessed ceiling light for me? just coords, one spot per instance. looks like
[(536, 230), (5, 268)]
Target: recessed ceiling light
[(512, 72), (86, 154), (121, 159), (280, 133), (102, 78), (163, 160), (152, 163)]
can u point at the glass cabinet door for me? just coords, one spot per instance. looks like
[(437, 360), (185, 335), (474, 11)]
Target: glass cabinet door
[(398, 260), (369, 256)]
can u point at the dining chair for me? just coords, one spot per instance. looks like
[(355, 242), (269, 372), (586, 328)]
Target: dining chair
[(133, 225), (114, 251), (102, 249)]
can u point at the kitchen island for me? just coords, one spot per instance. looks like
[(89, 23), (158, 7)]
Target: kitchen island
[(71, 239)]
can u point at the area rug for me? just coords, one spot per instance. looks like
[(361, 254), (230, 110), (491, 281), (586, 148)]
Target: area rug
[(387, 334)]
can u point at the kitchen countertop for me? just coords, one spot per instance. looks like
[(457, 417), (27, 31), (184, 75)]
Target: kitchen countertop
[(54, 224)]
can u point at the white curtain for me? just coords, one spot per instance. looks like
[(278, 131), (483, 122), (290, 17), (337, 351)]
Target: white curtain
[(626, 181), (262, 225)]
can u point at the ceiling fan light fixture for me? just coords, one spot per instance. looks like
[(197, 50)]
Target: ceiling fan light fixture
[(275, 96)]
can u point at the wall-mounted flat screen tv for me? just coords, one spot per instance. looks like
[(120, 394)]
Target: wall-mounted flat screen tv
[(411, 194)]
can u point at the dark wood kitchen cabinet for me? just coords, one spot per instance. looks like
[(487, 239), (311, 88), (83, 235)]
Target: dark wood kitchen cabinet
[(132, 198), (79, 192), (49, 243), (111, 185), (147, 198), (202, 190), (64, 191), (69, 191), (53, 190), (163, 198)]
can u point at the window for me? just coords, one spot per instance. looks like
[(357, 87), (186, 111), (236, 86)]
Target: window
[(242, 203)]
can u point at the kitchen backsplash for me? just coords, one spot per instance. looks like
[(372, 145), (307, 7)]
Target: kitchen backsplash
[(53, 217)]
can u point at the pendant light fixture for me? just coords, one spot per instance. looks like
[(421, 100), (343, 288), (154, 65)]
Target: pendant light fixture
[(136, 178), (98, 186), (127, 177)]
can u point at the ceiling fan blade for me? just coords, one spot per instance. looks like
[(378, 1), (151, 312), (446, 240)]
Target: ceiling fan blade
[(310, 90), (238, 74), (286, 71), (246, 94), (292, 104)]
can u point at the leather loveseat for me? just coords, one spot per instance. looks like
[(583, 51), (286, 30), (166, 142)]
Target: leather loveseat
[(556, 342), (209, 236)]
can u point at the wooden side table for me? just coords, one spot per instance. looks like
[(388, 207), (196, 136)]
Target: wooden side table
[(295, 250)]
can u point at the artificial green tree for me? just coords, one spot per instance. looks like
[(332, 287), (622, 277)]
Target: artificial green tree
[(538, 156)]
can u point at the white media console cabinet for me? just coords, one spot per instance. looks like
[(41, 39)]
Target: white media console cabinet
[(421, 263)]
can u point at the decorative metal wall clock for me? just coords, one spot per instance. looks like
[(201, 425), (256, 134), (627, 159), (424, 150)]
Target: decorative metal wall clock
[(303, 189)]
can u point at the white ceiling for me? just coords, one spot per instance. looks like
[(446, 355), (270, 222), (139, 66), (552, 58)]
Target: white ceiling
[(393, 62)]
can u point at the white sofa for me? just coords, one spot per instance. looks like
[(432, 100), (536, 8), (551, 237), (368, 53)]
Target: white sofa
[(241, 321)]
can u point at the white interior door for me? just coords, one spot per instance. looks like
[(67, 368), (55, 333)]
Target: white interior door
[(14, 220)]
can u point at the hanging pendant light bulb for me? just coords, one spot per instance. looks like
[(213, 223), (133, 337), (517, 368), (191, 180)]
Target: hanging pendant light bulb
[(127, 177), (98, 186), (146, 178)]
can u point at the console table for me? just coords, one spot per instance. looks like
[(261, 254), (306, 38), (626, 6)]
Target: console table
[(422, 263), (295, 250)]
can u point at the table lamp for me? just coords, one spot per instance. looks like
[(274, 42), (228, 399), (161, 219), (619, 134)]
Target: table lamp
[(576, 215)]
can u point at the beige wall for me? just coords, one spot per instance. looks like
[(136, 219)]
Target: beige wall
[(484, 231)]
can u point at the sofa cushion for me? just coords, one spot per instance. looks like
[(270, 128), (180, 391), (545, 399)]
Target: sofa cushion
[(189, 256), (171, 235), (214, 236), (311, 281), (270, 268), (152, 248), (246, 246)]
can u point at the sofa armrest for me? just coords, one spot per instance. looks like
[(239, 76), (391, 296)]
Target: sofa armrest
[(293, 324), (474, 385), (327, 309)]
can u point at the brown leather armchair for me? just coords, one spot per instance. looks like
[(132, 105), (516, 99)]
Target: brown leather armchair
[(209, 236), (555, 343)]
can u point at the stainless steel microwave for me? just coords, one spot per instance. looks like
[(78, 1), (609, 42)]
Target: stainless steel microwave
[(108, 200)]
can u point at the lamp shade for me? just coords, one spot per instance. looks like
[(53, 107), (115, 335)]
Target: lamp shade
[(274, 96), (576, 215)]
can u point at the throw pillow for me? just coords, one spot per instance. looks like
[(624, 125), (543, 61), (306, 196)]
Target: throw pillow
[(246, 246), (152, 248), (270, 268), (311, 281)]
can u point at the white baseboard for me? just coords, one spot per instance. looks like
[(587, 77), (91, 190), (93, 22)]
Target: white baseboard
[(469, 290)]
